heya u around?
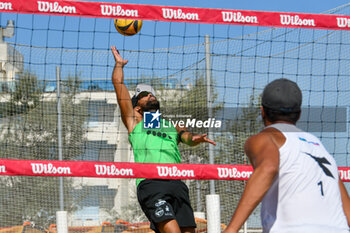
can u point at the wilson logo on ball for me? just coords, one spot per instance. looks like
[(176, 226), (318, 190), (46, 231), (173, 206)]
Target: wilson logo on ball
[(128, 27)]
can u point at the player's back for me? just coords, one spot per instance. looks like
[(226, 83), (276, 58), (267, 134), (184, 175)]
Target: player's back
[(305, 197)]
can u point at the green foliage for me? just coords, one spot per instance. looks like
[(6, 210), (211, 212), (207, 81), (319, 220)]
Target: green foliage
[(194, 101), (191, 103), (28, 130), (246, 124), (26, 96)]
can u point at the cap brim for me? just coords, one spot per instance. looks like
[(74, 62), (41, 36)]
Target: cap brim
[(144, 87)]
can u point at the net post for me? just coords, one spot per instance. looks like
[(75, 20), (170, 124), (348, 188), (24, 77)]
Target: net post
[(62, 222), (209, 105), (59, 132), (213, 213)]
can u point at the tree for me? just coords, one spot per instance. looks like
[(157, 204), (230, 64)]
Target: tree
[(245, 124), (28, 130), (192, 103)]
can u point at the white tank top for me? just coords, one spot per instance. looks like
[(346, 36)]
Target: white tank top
[(305, 196)]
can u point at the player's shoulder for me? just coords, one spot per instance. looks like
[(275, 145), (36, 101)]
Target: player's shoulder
[(257, 140), (266, 137)]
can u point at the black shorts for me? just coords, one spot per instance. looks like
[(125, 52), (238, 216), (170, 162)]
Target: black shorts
[(163, 200)]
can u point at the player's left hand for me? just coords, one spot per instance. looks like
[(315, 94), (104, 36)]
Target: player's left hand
[(202, 138), (118, 59)]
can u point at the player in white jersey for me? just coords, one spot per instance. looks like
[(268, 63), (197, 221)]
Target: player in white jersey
[(294, 176)]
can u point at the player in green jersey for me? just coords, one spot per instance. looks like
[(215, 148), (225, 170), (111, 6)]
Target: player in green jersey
[(165, 202)]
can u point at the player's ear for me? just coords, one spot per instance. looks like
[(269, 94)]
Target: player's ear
[(262, 112), (299, 115)]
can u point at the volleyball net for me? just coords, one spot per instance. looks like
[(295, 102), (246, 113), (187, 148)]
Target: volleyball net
[(64, 146)]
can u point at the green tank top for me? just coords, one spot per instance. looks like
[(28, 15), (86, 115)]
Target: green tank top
[(155, 145)]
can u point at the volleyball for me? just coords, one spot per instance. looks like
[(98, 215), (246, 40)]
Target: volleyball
[(128, 27)]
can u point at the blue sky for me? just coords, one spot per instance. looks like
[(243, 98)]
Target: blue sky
[(107, 35)]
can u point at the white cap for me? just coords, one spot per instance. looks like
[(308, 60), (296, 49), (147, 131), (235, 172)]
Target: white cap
[(144, 87), (140, 88)]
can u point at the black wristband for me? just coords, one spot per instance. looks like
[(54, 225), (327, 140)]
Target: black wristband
[(180, 134)]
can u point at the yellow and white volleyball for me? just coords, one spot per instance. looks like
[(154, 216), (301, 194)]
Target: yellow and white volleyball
[(128, 27)]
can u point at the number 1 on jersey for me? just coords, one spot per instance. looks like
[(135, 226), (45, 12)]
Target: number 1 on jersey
[(321, 186)]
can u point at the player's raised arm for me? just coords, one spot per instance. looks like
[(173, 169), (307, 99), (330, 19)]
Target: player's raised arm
[(123, 96)]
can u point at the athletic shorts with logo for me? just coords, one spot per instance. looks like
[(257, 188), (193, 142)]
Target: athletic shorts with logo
[(163, 200)]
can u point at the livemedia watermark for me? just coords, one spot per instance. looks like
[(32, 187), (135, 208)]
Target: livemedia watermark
[(312, 119)]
